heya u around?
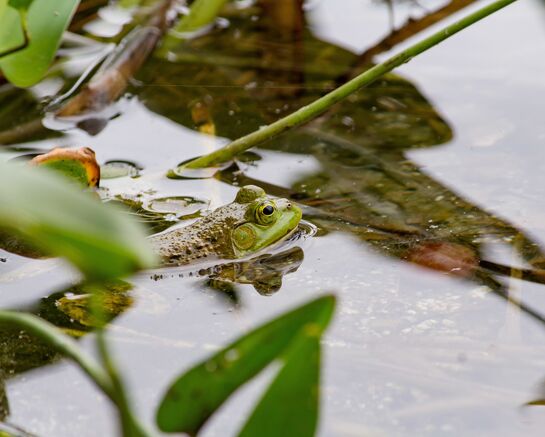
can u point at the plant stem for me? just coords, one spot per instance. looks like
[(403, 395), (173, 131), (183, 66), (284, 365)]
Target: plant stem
[(63, 344), (131, 427), (319, 106)]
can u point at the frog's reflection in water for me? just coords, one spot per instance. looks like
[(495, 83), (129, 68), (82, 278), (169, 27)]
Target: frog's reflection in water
[(264, 272)]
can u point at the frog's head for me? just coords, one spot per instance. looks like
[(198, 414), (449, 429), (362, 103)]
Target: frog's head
[(266, 220)]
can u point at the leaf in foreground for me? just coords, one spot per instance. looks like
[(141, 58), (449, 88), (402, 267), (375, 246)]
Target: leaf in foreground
[(47, 21), (290, 406), (64, 221), (197, 394)]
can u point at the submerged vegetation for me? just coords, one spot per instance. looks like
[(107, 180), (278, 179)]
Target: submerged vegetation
[(249, 72)]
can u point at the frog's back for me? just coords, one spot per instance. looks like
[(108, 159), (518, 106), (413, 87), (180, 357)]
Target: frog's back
[(207, 238)]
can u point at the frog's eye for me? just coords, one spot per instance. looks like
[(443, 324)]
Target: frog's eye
[(268, 210), (265, 213)]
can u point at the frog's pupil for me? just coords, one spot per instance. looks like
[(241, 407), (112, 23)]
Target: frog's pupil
[(268, 210)]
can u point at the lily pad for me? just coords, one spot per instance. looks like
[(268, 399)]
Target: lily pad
[(181, 206), (119, 169)]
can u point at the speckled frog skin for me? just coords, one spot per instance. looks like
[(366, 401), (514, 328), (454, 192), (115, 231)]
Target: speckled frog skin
[(251, 223)]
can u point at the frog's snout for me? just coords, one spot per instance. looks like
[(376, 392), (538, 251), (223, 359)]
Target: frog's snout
[(290, 210), (284, 204)]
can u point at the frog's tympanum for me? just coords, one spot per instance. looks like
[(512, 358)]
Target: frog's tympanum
[(251, 223)]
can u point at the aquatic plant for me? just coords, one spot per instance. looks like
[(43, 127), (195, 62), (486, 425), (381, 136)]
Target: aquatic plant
[(105, 245)]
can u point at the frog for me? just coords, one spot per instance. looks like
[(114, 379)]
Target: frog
[(252, 222)]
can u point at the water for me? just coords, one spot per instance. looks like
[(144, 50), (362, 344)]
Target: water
[(411, 351)]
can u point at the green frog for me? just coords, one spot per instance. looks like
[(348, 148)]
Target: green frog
[(252, 222)]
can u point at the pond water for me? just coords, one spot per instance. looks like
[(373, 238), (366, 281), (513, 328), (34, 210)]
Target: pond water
[(445, 158)]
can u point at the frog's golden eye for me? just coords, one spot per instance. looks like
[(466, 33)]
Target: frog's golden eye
[(265, 213)]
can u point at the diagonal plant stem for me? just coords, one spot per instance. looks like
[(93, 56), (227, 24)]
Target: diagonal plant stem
[(107, 380), (399, 35), (319, 106), (50, 334)]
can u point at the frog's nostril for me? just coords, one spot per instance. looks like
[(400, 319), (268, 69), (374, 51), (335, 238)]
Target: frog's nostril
[(288, 205)]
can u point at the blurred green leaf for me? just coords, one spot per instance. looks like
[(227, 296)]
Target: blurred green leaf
[(195, 395), (47, 21), (64, 221), (11, 31), (290, 406), (20, 4)]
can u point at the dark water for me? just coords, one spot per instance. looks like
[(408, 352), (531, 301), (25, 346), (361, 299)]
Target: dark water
[(446, 156)]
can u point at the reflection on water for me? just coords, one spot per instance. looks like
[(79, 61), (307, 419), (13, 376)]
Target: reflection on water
[(263, 272), (413, 349), (70, 309), (67, 309)]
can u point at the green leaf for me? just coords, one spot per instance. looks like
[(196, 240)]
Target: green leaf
[(3, 5), (47, 20), (20, 4), (195, 395), (64, 221), (11, 31), (290, 406)]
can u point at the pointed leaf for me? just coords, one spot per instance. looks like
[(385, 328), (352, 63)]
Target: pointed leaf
[(195, 395), (290, 406)]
